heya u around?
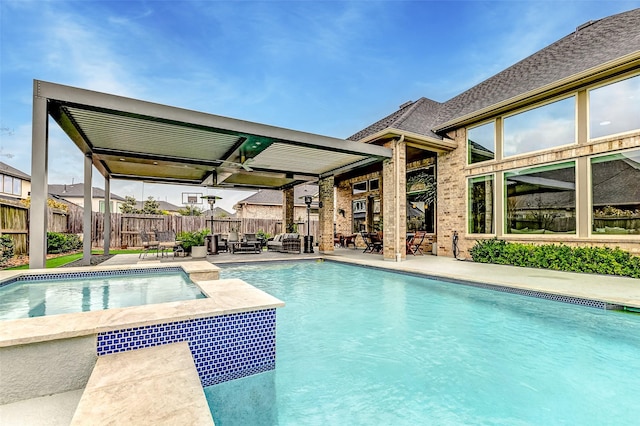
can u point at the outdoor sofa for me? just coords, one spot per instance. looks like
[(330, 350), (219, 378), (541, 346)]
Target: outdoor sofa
[(285, 243)]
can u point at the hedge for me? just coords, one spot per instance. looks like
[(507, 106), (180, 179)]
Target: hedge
[(594, 260), (62, 243)]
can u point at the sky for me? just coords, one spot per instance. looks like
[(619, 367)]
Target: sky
[(324, 67)]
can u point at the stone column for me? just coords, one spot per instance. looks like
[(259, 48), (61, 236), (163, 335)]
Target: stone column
[(326, 216), (287, 210), (394, 201)]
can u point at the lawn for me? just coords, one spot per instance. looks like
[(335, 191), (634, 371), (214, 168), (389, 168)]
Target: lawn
[(58, 261)]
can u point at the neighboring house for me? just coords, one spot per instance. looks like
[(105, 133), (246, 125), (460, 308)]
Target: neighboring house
[(75, 194), (219, 213), (14, 184), (164, 206), (546, 151), (267, 204)]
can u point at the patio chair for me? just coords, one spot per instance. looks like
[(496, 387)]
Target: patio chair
[(367, 241), (376, 241), (147, 244), (414, 243)]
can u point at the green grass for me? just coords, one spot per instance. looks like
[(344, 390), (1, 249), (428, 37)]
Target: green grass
[(56, 262)]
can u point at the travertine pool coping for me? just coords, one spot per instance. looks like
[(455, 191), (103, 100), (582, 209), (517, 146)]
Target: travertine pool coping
[(226, 296), (157, 385)]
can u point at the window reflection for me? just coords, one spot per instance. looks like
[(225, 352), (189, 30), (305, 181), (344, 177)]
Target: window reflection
[(481, 205), (421, 200), (614, 108), (616, 193), (481, 144), (541, 128), (541, 200)]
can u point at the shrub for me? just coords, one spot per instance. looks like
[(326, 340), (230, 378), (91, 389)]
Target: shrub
[(62, 243), (189, 239), (594, 260), (6, 249)]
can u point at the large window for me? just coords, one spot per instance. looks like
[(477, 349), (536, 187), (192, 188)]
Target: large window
[(481, 143), (481, 207), (541, 200), (540, 128), (421, 200), (616, 193), (614, 108), (10, 185)]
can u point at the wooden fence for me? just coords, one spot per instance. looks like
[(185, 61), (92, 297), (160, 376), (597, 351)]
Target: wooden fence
[(125, 228)]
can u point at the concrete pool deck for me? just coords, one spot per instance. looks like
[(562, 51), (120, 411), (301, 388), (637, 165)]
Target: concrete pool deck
[(605, 288)]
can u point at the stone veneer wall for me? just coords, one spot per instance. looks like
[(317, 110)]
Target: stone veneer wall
[(452, 196)]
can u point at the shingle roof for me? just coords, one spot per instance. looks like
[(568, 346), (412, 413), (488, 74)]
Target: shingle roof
[(77, 190), (274, 198), (6, 169), (592, 44), (417, 117), (162, 205)]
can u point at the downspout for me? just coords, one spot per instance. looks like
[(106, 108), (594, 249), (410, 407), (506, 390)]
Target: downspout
[(396, 160)]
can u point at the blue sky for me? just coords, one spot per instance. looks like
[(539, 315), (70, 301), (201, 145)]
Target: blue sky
[(330, 67)]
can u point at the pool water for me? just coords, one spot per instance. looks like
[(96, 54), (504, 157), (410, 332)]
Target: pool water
[(35, 298), (362, 346)]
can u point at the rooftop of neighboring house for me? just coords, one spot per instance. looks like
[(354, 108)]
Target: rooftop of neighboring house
[(272, 197), (6, 169), (162, 205), (591, 45), (77, 191), (219, 212)]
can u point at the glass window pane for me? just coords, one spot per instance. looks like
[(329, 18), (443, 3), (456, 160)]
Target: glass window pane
[(374, 184), (616, 193), (614, 108), (17, 186), (481, 219), (8, 184), (481, 143), (541, 200), (421, 200), (541, 128), (360, 187)]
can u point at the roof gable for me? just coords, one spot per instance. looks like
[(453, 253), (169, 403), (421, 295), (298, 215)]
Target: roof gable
[(77, 190)]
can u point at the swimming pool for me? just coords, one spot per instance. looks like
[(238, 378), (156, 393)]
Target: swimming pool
[(43, 295), (364, 346)]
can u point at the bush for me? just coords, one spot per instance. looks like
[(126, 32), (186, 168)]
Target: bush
[(189, 239), (62, 243), (594, 260), (6, 249)]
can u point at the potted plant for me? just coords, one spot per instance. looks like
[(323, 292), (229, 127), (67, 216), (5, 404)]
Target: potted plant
[(193, 241)]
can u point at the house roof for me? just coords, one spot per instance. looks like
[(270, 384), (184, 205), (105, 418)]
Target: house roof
[(417, 117), (590, 46), (77, 191), (162, 205), (219, 212), (6, 169), (272, 197)]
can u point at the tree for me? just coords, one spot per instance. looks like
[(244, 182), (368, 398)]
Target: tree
[(190, 210), (129, 206), (151, 206)]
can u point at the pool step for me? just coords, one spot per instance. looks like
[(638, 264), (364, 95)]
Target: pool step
[(157, 385)]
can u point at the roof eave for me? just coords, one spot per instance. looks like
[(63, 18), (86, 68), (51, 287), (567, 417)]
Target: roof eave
[(415, 140), (620, 65)]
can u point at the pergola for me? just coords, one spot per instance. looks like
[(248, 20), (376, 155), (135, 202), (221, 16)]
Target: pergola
[(126, 138)]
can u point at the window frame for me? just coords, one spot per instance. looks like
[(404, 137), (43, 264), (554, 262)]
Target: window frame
[(505, 215), (599, 86), (495, 142), (504, 117), (494, 177), (590, 197)]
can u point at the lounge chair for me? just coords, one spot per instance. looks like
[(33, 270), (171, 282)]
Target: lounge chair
[(148, 244)]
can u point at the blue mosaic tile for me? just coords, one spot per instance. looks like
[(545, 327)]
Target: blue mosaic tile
[(224, 347), (91, 274)]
